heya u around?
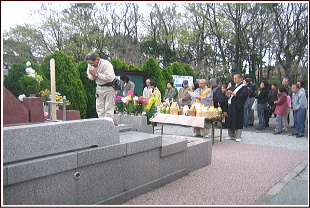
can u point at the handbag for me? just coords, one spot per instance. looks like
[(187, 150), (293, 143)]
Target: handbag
[(254, 106), (116, 84), (268, 107)]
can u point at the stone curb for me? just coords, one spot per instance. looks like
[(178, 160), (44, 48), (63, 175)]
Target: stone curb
[(264, 199)]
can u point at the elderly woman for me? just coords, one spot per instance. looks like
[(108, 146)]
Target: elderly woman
[(170, 92)]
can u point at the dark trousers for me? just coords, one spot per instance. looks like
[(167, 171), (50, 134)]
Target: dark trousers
[(267, 115)]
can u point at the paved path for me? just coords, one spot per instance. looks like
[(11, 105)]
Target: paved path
[(283, 160)]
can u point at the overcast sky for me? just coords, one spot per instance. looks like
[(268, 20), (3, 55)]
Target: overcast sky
[(16, 12)]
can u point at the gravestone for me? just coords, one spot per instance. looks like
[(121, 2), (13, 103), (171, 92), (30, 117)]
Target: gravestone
[(13, 110), (35, 107)]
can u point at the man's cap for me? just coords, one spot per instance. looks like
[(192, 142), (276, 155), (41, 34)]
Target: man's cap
[(185, 81)]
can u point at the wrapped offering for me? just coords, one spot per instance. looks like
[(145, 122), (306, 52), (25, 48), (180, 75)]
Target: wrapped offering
[(192, 111), (167, 110), (180, 111), (174, 109), (185, 110)]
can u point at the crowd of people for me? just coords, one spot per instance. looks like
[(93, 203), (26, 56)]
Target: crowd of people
[(238, 99)]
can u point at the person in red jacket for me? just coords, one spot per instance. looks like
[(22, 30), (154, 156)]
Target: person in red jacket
[(280, 110)]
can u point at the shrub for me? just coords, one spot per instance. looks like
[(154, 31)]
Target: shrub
[(118, 64), (29, 85), (90, 90), (154, 73), (68, 80)]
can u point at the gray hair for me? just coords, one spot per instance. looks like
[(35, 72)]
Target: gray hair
[(91, 56), (213, 80), (203, 80)]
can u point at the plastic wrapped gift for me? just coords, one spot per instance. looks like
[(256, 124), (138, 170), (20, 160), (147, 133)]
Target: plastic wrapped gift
[(185, 110), (167, 110), (180, 111), (192, 111), (163, 109), (199, 112), (211, 112), (174, 109)]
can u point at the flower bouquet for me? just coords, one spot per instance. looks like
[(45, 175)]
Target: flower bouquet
[(139, 104), (151, 108), (124, 104), (45, 95)]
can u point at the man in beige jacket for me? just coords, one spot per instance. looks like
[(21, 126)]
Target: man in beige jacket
[(102, 72), (184, 97)]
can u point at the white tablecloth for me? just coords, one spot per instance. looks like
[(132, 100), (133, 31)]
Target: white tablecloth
[(180, 120)]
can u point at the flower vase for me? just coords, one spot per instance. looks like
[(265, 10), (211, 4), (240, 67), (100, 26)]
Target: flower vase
[(32, 95)]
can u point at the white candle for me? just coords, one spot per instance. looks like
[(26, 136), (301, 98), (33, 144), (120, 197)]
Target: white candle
[(53, 89)]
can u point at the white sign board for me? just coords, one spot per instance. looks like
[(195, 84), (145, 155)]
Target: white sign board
[(178, 81)]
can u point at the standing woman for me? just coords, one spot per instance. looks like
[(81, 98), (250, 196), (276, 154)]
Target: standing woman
[(262, 99), (281, 105), (127, 85), (273, 96), (170, 92), (155, 91)]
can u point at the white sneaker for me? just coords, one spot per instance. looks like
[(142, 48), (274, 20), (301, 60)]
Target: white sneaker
[(196, 135), (238, 140), (228, 138)]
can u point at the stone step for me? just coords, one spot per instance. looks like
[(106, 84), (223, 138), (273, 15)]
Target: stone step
[(139, 141), (124, 127)]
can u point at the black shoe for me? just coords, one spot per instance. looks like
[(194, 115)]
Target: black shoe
[(299, 135), (295, 134), (250, 124)]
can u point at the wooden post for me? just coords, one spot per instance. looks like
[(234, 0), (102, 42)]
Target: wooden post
[(53, 89)]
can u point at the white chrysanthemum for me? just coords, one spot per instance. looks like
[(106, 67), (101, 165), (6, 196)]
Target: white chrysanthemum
[(28, 63), (21, 97), (30, 71), (135, 98)]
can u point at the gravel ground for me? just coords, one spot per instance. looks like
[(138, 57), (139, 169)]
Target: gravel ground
[(251, 136)]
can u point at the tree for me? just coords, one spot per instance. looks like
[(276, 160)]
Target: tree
[(189, 71), (68, 80), (22, 42), (167, 74), (118, 64), (90, 90), (291, 27), (133, 67), (154, 73), (177, 69), (16, 72)]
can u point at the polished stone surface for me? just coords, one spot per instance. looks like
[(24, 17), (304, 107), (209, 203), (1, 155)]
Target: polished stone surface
[(35, 107), (13, 110), (37, 140)]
